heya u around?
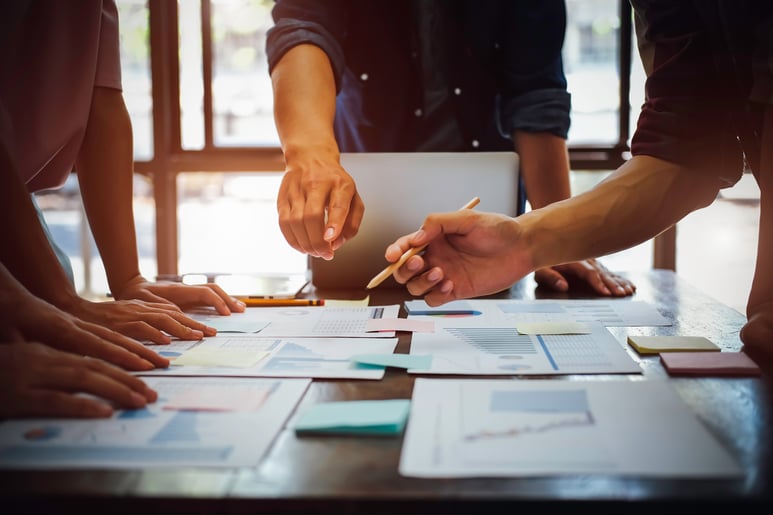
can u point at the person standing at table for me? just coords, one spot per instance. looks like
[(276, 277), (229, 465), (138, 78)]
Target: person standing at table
[(417, 76), (708, 114), (63, 108)]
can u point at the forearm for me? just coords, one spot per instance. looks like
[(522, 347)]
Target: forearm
[(304, 101), (762, 286), (642, 198), (25, 250), (544, 166), (105, 170)]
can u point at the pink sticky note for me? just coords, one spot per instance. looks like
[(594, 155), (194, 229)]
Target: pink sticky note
[(709, 364), (400, 324), (218, 398)]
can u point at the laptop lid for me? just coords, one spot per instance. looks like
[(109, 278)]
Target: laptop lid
[(399, 191)]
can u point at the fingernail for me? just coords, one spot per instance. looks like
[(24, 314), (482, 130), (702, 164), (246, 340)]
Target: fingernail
[(151, 395), (138, 400), (434, 275), (148, 365), (561, 285), (103, 410), (329, 233)]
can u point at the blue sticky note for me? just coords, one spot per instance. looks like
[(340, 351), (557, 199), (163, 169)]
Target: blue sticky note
[(455, 307), (411, 361), (379, 418)]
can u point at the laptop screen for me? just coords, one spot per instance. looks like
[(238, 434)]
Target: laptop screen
[(399, 190)]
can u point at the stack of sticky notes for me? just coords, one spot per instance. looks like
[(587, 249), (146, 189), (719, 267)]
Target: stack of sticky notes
[(694, 356), (378, 418), (659, 344), (709, 364)]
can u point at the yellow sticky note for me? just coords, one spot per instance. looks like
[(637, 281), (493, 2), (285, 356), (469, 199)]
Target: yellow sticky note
[(347, 302), (202, 356), (658, 344)]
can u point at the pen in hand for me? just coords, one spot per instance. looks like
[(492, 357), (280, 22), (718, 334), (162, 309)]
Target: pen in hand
[(389, 270)]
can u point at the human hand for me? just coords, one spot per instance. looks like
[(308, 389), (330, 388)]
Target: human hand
[(757, 334), (318, 204), (182, 295), (39, 381), (146, 321), (35, 319), (470, 253), (590, 271)]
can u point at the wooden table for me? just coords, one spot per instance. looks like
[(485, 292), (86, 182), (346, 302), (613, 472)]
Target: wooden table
[(360, 474)]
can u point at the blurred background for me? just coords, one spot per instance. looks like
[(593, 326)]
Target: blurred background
[(208, 165)]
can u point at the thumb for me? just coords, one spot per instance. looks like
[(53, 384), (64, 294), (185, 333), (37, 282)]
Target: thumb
[(551, 278)]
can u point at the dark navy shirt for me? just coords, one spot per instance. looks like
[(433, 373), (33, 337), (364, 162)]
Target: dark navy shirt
[(709, 80), (434, 75)]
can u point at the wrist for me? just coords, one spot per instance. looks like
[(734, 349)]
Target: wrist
[(119, 288), (310, 153)]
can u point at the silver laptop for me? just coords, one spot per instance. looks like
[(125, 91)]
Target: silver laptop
[(399, 191)]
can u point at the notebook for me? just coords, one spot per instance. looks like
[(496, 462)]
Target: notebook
[(399, 191)]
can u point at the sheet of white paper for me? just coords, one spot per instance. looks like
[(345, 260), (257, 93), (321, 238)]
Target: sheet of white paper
[(317, 321), (472, 346), (607, 312), (155, 437), (502, 428), (328, 358)]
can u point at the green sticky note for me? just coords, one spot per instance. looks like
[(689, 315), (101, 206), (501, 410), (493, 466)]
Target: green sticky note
[(411, 361), (379, 418)]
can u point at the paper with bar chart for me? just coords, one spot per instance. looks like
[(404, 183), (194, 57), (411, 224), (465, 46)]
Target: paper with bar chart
[(312, 322), (499, 428), (472, 346), (206, 422), (606, 312)]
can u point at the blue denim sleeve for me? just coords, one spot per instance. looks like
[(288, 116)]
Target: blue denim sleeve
[(533, 94), (304, 22)]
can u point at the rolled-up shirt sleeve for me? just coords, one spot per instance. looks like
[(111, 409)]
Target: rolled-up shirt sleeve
[(691, 108), (299, 22), (533, 95)]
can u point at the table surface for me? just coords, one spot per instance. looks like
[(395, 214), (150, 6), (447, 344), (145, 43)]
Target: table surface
[(345, 474)]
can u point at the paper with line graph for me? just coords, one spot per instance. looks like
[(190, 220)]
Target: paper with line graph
[(497, 428), (474, 347)]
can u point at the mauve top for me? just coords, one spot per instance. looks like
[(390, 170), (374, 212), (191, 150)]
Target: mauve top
[(52, 55)]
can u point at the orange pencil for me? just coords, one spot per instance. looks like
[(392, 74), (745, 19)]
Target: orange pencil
[(262, 301)]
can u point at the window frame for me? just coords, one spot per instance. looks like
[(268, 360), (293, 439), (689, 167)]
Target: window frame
[(169, 158)]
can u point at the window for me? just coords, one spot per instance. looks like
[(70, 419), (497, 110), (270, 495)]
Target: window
[(206, 150)]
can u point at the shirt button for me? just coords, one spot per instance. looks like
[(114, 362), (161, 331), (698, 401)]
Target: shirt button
[(417, 113), (364, 77), (475, 143), (457, 91)]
